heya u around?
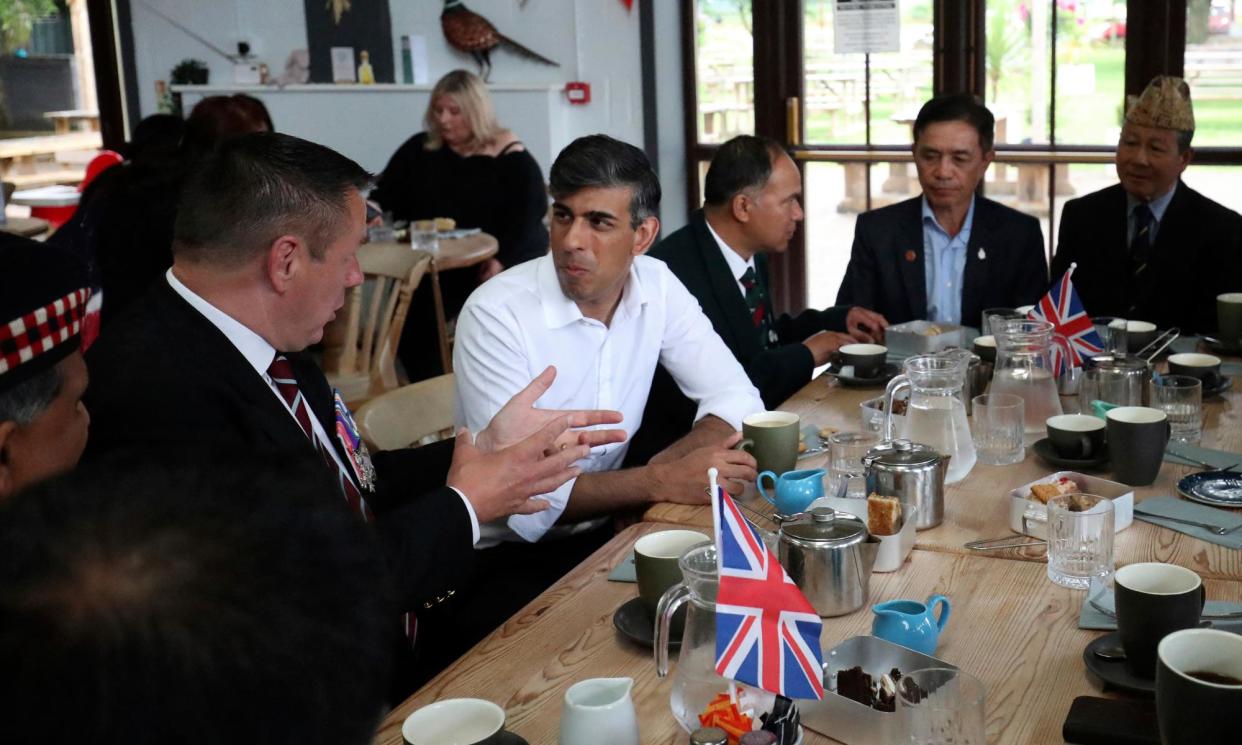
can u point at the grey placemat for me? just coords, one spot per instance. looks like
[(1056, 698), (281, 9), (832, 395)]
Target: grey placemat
[(1183, 344), (624, 572), (1232, 369), (1180, 508), (1186, 454), (1092, 618)]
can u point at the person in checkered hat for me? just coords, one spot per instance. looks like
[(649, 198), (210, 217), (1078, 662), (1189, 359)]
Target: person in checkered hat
[(43, 423)]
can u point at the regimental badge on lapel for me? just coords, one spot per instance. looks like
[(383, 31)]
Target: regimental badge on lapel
[(911, 255), (355, 448), (773, 339), (983, 255)]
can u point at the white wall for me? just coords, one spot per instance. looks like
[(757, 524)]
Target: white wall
[(596, 41)]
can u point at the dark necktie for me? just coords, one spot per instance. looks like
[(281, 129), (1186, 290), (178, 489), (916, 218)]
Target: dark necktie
[(1140, 245), (757, 304), (286, 383)]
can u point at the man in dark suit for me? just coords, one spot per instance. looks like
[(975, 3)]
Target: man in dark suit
[(751, 207), (1151, 248), (949, 254), (209, 361)]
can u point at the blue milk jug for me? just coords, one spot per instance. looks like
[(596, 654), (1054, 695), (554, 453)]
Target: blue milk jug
[(911, 623)]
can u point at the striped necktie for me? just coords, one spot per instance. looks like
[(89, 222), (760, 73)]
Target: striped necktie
[(286, 383), (1141, 244), (756, 303)]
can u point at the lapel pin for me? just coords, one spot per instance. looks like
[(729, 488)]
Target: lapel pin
[(911, 255), (982, 254)]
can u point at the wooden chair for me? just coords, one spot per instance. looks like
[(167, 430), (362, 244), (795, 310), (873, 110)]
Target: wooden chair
[(363, 362), (415, 414)]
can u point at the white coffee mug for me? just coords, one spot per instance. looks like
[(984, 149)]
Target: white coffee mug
[(454, 721), (599, 711)]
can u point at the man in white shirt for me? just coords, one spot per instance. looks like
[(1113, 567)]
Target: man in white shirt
[(605, 316)]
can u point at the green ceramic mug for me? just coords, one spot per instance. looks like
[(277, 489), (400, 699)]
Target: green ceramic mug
[(1229, 318), (772, 437), (655, 562)]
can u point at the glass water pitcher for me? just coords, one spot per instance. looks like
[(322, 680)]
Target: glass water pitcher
[(936, 415), (1024, 367)]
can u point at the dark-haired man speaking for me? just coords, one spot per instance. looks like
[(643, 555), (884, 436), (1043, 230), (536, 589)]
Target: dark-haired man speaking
[(949, 254)]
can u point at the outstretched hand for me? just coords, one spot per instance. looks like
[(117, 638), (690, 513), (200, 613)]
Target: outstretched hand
[(502, 482), (519, 419)]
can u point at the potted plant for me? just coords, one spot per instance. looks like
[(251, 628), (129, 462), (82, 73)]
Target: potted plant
[(189, 72)]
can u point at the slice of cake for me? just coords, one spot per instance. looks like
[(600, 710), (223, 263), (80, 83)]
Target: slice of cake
[(1044, 492), (883, 515)]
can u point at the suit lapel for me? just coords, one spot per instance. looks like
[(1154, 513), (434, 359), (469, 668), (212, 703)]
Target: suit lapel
[(319, 397), (735, 315), (913, 273)]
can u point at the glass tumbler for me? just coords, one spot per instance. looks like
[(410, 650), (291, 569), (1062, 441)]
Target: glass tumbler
[(1080, 540), (1180, 397), (998, 428), (425, 237), (950, 712), (845, 468)]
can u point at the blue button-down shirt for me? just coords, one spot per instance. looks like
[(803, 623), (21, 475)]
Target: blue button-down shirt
[(1158, 207), (944, 264)]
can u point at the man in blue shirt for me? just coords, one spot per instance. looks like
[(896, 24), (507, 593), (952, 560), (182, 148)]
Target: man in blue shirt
[(1150, 247), (947, 255)]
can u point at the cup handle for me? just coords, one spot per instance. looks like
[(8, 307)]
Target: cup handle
[(759, 486), (745, 444), (945, 606), (1086, 448), (1202, 596)]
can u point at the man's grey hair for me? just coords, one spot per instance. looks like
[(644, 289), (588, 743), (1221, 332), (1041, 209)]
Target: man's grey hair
[(24, 402)]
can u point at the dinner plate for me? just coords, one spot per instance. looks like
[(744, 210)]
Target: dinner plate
[(632, 621), (891, 370), (1113, 672), (1217, 488), (1044, 449)]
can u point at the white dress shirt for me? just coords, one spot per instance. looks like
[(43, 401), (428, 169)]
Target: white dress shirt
[(260, 354), (519, 322), (737, 265)]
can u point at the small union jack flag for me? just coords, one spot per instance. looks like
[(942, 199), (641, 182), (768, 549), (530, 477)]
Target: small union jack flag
[(1073, 335), (767, 633)]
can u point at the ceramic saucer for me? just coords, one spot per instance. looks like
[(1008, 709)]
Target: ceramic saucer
[(1223, 384), (1113, 672), (891, 370), (505, 737), (1044, 449), (632, 621), (1217, 488)]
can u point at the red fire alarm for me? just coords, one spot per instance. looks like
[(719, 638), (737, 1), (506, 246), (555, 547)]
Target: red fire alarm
[(578, 92)]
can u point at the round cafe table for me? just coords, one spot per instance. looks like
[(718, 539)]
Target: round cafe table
[(454, 253), (27, 227)]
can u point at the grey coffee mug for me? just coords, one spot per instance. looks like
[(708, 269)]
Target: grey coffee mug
[(1198, 682), (1137, 436), (867, 359), (772, 437), (1229, 318), (655, 562), (1153, 600), (1205, 367), (1076, 435)]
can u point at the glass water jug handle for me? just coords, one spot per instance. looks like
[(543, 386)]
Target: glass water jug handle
[(894, 385), (670, 601)]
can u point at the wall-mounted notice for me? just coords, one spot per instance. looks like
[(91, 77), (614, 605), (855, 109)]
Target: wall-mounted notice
[(867, 26)]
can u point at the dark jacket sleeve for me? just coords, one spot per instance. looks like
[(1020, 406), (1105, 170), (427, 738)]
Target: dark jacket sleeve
[(519, 226), (858, 287), (781, 372), (1032, 270), (1067, 239)]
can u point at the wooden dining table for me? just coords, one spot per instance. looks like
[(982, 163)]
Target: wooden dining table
[(1010, 625), (977, 508)]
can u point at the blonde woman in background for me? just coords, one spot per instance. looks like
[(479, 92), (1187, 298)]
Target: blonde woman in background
[(466, 166)]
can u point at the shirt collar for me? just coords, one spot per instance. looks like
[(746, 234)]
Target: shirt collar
[(737, 265), (1157, 205), (559, 310), (253, 347), (928, 214)]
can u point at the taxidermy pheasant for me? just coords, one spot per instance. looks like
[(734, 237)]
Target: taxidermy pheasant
[(471, 32)]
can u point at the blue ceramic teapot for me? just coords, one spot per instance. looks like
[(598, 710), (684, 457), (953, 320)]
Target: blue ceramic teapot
[(911, 623), (794, 490)]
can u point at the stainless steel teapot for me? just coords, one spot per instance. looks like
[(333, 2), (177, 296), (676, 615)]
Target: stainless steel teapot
[(911, 472), (829, 556)]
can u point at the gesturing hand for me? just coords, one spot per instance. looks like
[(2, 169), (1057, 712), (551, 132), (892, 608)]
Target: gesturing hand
[(501, 483), (519, 418), (865, 325)]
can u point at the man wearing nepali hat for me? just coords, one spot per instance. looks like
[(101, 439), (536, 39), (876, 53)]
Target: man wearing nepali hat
[(43, 296), (1151, 248)]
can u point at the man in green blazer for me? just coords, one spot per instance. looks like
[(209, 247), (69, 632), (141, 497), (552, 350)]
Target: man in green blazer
[(751, 207)]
